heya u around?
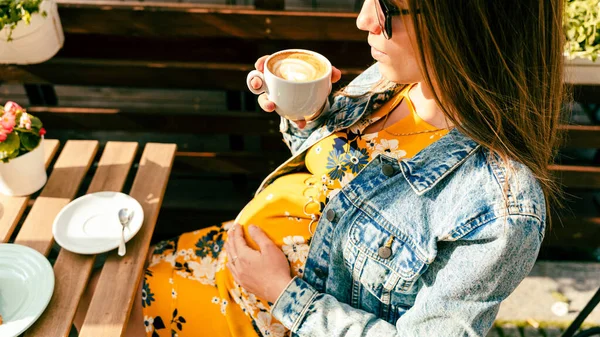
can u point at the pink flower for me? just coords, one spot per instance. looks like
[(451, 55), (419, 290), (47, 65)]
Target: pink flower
[(12, 108), (3, 135), (7, 122)]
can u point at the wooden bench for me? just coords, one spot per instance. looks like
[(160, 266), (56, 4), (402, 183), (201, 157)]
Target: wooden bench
[(185, 45), (120, 276)]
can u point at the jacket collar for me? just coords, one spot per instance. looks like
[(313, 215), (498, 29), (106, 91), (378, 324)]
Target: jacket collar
[(432, 164), (361, 99)]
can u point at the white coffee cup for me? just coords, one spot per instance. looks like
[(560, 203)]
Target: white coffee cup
[(299, 97)]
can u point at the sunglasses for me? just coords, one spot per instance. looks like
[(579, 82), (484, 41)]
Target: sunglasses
[(385, 12)]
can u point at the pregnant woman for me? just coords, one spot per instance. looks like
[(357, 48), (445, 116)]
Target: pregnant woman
[(413, 205)]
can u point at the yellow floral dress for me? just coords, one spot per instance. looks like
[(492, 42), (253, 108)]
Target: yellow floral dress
[(187, 289)]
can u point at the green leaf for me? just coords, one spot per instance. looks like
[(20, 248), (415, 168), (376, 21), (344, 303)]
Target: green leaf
[(29, 140), (10, 145), (36, 123), (582, 29)]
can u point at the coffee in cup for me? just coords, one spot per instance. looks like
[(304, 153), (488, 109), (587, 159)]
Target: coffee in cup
[(298, 81), (297, 66)]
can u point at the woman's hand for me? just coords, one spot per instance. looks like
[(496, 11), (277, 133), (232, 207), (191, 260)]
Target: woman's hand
[(265, 273), (269, 106)]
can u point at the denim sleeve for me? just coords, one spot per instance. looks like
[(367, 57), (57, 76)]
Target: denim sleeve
[(459, 296)]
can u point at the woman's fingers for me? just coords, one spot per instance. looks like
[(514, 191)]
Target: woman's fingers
[(256, 83), (237, 242), (265, 104), (260, 63), (336, 74), (301, 124), (229, 246)]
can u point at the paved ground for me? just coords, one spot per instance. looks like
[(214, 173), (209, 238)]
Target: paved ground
[(530, 305)]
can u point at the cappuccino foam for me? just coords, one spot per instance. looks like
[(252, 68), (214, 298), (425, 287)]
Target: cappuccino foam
[(297, 67)]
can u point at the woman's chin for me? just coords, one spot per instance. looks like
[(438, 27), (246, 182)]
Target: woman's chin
[(393, 75)]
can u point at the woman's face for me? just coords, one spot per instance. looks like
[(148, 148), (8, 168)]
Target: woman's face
[(397, 57)]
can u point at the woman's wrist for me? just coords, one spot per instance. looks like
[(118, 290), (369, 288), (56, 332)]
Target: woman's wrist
[(274, 299)]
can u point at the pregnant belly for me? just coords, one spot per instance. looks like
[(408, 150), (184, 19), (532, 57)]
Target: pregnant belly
[(279, 210)]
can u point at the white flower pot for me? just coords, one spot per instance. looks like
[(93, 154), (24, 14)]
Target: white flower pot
[(582, 71), (25, 174), (34, 43)]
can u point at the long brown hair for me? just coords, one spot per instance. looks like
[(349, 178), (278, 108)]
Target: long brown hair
[(497, 72)]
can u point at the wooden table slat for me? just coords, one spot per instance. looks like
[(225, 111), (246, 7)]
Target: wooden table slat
[(110, 307), (113, 168), (12, 208), (67, 175)]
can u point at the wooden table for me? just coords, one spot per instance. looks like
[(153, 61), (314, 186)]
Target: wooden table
[(120, 276)]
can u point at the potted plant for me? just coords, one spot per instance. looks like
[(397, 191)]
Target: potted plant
[(582, 47), (22, 167), (30, 31)]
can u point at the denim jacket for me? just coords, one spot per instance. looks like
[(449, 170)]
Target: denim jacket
[(427, 246)]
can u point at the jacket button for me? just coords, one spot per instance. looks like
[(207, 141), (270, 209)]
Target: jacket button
[(330, 214), (388, 170), (384, 252), (320, 273)]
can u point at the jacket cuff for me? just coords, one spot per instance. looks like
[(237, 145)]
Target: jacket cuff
[(293, 303)]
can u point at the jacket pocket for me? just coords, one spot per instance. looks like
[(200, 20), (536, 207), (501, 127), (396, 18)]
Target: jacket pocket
[(381, 277)]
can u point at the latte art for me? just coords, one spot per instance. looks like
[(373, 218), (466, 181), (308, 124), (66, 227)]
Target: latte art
[(297, 67)]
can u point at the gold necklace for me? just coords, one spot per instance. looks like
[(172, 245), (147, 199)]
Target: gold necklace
[(396, 102)]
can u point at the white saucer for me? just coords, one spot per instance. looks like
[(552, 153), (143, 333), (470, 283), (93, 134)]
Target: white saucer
[(90, 224), (26, 286)]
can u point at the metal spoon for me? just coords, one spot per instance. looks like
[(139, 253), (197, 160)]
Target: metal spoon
[(125, 216)]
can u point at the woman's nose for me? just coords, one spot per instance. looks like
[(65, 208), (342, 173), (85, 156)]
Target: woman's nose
[(367, 18)]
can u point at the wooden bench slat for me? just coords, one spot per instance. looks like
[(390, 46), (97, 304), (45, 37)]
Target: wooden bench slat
[(580, 232), (582, 136), (245, 123), (12, 208), (67, 175), (204, 20), (240, 162), (149, 74), (109, 309), (209, 50), (571, 176), (73, 270)]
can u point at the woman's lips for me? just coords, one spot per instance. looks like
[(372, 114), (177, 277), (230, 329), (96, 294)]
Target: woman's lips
[(376, 53)]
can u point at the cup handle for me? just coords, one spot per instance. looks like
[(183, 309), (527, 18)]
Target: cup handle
[(253, 74)]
